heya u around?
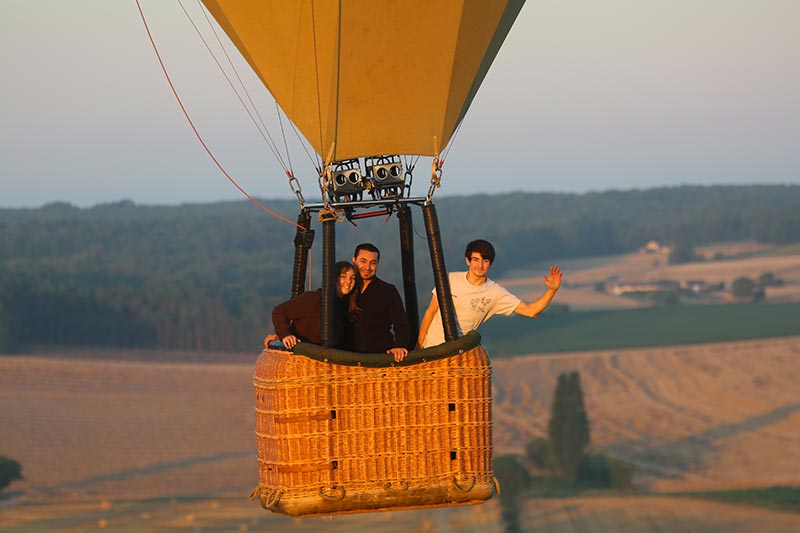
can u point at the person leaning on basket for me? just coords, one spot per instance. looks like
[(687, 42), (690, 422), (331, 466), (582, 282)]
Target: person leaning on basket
[(382, 325), (299, 319)]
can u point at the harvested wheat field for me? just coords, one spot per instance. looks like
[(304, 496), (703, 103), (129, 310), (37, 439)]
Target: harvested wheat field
[(121, 429), (133, 446), (581, 275), (644, 267), (646, 514), (689, 417)]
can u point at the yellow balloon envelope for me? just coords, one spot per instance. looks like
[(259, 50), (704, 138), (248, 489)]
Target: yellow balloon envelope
[(370, 77)]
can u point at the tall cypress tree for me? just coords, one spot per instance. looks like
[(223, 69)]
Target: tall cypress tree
[(10, 470), (5, 330), (569, 425)]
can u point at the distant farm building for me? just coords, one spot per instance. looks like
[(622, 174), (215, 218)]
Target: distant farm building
[(695, 285), (664, 285), (653, 247)]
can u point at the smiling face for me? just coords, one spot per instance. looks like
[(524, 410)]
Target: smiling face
[(367, 264), (478, 267), (346, 282)]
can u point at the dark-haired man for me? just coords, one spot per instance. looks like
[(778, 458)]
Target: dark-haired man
[(476, 298), (382, 324)]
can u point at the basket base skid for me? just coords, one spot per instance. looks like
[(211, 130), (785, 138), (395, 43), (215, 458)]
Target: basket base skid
[(378, 500)]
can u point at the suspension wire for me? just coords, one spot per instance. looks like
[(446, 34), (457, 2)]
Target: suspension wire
[(417, 233), (438, 163), (315, 159), (316, 73), (194, 128), (338, 76), (239, 78), (283, 134), (263, 132), (323, 170), (411, 162), (294, 184), (450, 144)]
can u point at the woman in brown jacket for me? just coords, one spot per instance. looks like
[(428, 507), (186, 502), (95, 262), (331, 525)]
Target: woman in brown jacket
[(299, 319)]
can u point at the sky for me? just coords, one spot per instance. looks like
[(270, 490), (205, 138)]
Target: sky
[(583, 96)]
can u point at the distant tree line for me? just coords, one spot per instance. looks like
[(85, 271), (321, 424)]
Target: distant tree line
[(205, 276), (172, 283)]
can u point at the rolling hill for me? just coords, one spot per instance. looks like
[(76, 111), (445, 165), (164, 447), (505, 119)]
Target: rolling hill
[(172, 443)]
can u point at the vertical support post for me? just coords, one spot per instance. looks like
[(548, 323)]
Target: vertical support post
[(303, 240), (328, 280), (440, 279), (407, 261)]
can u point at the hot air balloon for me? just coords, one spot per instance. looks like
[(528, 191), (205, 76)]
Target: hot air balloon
[(368, 82)]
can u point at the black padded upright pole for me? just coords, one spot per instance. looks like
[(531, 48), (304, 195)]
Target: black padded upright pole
[(328, 280), (440, 279), (303, 240), (407, 261)]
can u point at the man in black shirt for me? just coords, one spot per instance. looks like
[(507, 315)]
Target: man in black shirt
[(382, 324)]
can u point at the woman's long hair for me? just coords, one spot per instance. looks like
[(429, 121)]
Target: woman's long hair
[(339, 268)]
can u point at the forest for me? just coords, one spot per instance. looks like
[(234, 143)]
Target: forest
[(206, 276)]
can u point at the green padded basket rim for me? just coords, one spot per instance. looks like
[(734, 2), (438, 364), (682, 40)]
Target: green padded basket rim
[(380, 360)]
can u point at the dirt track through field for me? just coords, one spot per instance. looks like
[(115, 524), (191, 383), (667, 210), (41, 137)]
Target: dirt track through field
[(716, 415)]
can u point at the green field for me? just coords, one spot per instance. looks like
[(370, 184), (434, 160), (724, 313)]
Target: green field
[(636, 328), (783, 498)]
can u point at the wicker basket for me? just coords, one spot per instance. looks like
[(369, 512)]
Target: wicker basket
[(336, 439)]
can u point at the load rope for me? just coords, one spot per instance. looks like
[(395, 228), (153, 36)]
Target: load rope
[(262, 129), (194, 128)]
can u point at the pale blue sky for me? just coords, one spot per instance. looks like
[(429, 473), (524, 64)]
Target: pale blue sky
[(585, 95)]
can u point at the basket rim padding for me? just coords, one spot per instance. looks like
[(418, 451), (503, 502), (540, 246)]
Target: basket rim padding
[(379, 360)]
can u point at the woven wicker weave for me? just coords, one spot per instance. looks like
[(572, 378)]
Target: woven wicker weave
[(338, 439)]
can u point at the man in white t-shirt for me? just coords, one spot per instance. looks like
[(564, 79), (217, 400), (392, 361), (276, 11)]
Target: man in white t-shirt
[(476, 298)]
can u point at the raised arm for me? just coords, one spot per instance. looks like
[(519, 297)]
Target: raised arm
[(553, 282), (427, 319)]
